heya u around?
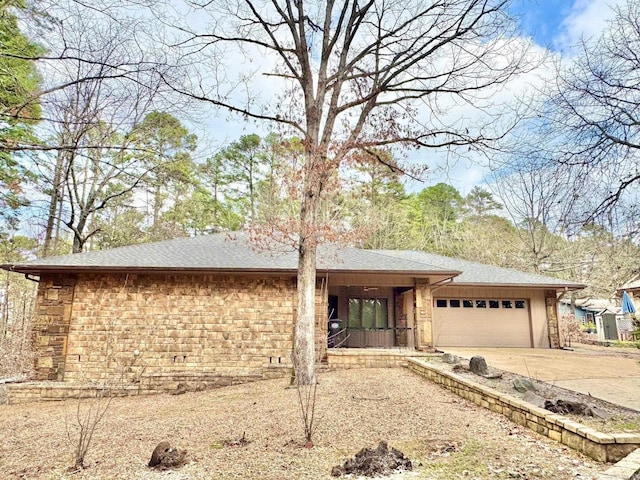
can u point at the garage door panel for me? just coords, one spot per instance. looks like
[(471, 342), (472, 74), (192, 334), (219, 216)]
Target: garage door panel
[(482, 327)]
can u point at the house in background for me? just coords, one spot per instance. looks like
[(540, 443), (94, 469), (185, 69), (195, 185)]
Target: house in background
[(605, 314), (632, 288), (629, 294), (215, 310)]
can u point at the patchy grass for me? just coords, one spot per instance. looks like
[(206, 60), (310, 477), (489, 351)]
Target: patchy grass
[(625, 425), (625, 344), (466, 461), (445, 436)]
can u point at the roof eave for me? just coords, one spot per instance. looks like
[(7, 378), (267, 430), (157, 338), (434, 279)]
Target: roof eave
[(572, 286), (40, 269)]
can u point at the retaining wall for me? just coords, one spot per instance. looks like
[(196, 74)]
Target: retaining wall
[(600, 446)]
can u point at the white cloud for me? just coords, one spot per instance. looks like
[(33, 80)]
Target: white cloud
[(586, 19)]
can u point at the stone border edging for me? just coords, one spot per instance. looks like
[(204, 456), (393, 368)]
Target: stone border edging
[(624, 469), (600, 446)]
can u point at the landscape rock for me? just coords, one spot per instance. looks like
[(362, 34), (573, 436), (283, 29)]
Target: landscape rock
[(523, 385), (374, 462), (534, 399), (450, 358), (602, 414), (164, 456), (478, 365), (636, 475)]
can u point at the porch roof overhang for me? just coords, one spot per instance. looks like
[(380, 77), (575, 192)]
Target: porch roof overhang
[(565, 287)]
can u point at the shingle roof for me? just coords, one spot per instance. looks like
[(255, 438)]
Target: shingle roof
[(474, 273), (631, 285), (234, 252), (224, 252)]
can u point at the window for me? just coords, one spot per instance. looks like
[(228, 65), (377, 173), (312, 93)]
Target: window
[(368, 313), (481, 304), (454, 303), (520, 303), (441, 303), (494, 304), (507, 304), (467, 303)]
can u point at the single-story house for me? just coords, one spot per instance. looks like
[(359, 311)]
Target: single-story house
[(217, 309)]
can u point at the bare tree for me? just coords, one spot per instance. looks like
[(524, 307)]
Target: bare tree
[(347, 76), (98, 95), (593, 114), (538, 201)]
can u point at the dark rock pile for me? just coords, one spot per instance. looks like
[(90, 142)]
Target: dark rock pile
[(164, 456), (565, 407), (374, 462)]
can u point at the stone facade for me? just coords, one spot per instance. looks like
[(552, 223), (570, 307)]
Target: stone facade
[(424, 316), (551, 302), (159, 331), (51, 326)]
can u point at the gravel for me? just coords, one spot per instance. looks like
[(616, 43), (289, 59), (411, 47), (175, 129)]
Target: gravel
[(254, 431)]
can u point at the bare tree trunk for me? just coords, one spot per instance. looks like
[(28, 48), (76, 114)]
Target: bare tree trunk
[(304, 348), (157, 204), (5, 307), (54, 199)]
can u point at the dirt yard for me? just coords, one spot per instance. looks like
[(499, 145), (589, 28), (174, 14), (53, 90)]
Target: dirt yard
[(446, 437)]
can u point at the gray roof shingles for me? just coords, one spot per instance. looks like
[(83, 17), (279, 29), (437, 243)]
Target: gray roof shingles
[(474, 273), (233, 252), (225, 252)]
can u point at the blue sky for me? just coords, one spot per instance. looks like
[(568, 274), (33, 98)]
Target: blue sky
[(559, 24), (542, 19)]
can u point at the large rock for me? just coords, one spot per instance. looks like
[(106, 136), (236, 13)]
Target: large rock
[(602, 414), (478, 365), (523, 385), (534, 399), (450, 358)]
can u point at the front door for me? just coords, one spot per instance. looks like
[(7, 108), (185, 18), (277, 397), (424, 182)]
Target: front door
[(610, 327)]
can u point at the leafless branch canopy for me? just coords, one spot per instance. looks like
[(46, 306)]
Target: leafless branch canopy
[(595, 111), (354, 74)]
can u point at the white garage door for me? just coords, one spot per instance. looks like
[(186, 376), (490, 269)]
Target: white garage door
[(480, 322)]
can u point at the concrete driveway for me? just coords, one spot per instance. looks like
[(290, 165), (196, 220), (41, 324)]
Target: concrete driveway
[(609, 373)]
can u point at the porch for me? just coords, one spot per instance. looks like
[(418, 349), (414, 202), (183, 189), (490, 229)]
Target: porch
[(342, 358), (393, 313)]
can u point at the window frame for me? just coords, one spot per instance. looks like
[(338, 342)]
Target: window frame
[(381, 318)]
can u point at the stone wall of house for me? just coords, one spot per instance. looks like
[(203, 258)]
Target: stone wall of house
[(424, 316), (163, 331), (551, 303), (51, 326)]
